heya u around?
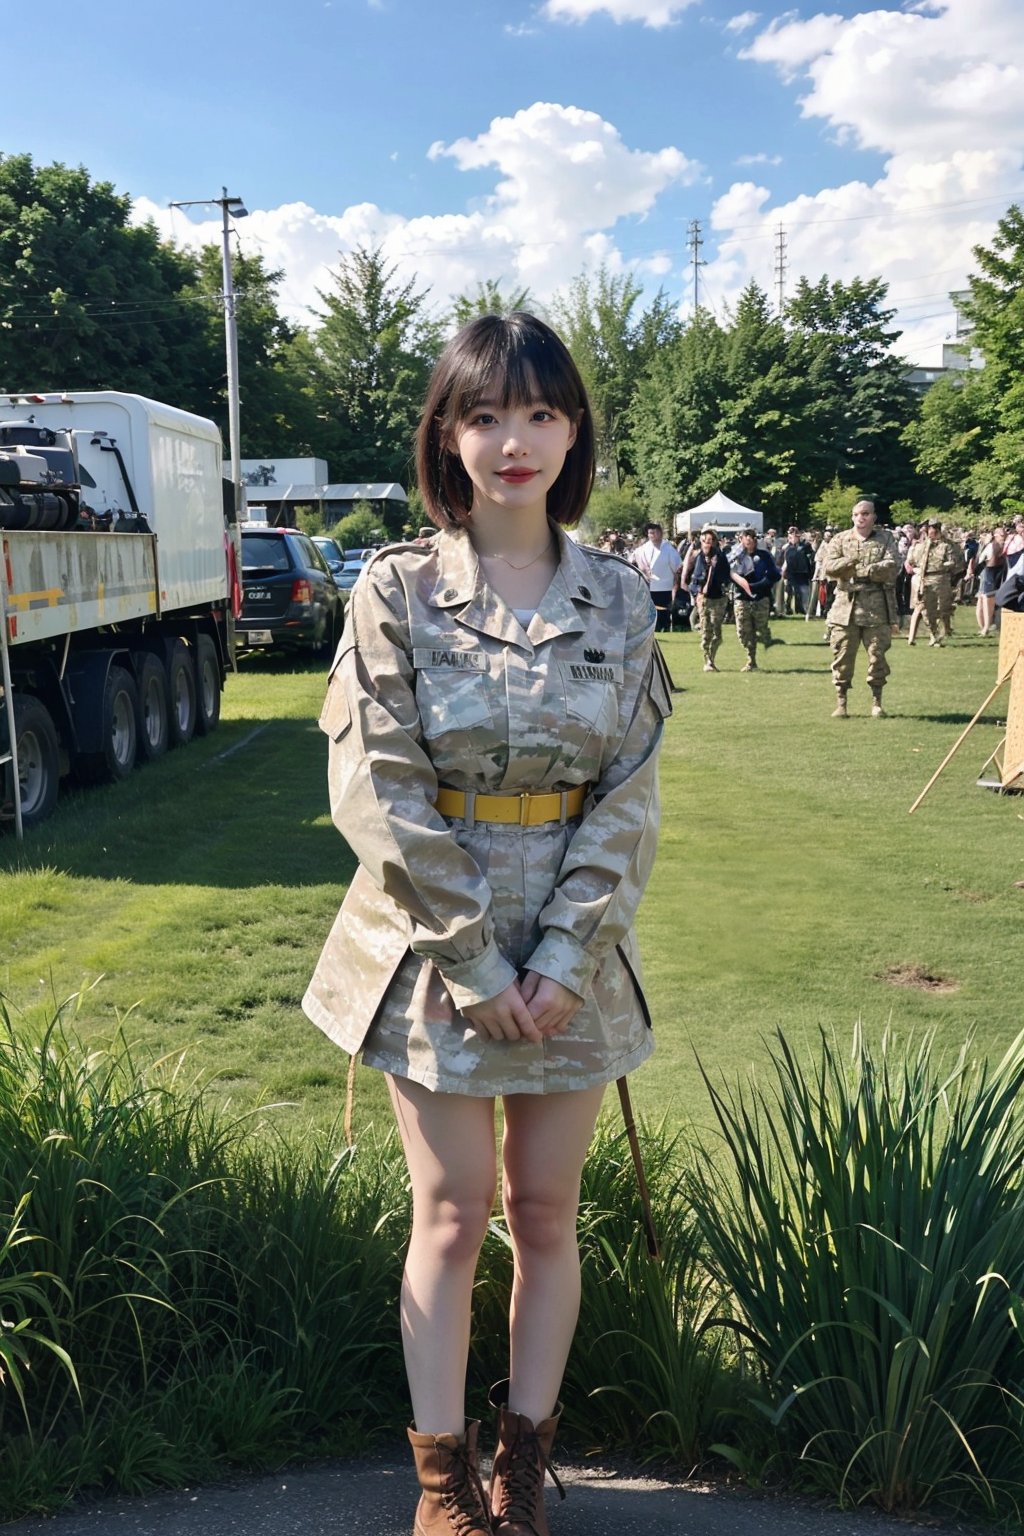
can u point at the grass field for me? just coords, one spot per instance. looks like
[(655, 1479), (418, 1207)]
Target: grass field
[(792, 889)]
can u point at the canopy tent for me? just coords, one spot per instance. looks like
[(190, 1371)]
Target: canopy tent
[(722, 512)]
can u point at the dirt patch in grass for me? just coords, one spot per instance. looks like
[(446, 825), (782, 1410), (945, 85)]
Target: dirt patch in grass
[(916, 976)]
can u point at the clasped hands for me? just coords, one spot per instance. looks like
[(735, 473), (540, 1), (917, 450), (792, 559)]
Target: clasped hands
[(530, 1009)]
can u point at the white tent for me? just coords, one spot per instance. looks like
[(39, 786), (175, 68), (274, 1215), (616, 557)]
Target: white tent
[(720, 510)]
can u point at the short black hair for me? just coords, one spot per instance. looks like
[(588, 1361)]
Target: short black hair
[(532, 362)]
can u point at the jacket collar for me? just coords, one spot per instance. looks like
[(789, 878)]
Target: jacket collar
[(462, 588)]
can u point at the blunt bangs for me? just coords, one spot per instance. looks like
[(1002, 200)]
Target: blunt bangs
[(532, 365)]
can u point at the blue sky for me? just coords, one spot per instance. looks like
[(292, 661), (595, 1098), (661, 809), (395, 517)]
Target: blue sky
[(526, 141)]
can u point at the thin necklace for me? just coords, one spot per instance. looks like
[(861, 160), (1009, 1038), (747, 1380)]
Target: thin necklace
[(511, 563)]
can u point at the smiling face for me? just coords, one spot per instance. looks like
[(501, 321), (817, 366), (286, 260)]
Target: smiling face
[(513, 453)]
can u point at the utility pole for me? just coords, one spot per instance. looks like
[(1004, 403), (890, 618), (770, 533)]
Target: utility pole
[(780, 266), (695, 241), (230, 208)]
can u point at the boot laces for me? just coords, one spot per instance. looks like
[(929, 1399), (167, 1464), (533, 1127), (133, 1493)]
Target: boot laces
[(463, 1498), (522, 1481)]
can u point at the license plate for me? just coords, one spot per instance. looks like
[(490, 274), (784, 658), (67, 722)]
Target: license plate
[(258, 594), (260, 637)]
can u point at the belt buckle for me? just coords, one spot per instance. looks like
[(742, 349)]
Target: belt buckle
[(524, 807)]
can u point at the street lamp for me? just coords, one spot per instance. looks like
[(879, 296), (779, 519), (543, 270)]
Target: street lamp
[(231, 208)]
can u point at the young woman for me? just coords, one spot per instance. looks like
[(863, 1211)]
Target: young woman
[(494, 714), (989, 567)]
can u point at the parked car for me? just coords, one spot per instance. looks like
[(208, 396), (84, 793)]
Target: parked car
[(289, 598), (332, 553)]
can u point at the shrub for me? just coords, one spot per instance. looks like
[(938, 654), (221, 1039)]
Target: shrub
[(871, 1228), (217, 1290)]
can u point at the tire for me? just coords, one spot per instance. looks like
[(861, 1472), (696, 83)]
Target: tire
[(38, 762), (154, 726), (181, 694), (119, 731), (208, 686)]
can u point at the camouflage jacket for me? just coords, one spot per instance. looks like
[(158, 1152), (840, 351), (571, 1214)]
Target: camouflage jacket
[(435, 682), (931, 559), (865, 572)]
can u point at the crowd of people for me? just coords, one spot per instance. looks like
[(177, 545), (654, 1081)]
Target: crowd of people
[(962, 566), (863, 582)]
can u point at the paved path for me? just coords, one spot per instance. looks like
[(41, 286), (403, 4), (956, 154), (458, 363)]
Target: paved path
[(376, 1498)]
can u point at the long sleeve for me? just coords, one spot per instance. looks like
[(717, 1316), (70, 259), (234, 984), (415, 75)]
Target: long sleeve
[(382, 789), (609, 859)]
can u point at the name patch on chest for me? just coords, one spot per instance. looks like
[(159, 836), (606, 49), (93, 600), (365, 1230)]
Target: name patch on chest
[(592, 672), (457, 661)]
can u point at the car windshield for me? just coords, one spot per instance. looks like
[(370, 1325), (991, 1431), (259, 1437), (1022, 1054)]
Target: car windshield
[(264, 552)]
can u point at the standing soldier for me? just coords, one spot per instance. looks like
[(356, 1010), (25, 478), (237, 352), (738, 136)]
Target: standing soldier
[(932, 560), (751, 609), (710, 579), (863, 562)]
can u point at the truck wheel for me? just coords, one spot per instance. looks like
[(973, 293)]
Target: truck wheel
[(181, 694), (38, 762), (153, 724), (208, 690), (119, 731)]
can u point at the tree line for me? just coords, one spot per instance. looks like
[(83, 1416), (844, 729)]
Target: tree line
[(782, 412)]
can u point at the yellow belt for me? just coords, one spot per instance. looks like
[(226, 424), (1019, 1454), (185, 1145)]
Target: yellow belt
[(523, 810)]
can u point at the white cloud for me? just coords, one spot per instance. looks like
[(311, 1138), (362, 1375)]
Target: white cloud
[(653, 13), (759, 159), (743, 22), (936, 91), (563, 179)]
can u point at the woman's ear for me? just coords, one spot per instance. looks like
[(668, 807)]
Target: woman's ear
[(574, 427)]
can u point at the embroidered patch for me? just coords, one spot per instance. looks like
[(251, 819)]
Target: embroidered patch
[(458, 661), (581, 673)]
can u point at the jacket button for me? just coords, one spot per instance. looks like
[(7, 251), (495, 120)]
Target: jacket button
[(450, 592), (585, 592)]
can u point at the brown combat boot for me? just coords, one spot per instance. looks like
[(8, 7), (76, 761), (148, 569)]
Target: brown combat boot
[(522, 1456), (840, 712), (876, 705), (453, 1501)]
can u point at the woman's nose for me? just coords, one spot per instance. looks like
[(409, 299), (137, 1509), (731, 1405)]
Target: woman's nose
[(514, 444)]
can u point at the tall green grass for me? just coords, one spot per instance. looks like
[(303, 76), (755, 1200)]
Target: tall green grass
[(184, 1290), (869, 1222)]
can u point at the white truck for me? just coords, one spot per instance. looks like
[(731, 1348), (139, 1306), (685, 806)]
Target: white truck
[(118, 588)]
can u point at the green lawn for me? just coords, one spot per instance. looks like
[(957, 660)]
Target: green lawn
[(790, 881)]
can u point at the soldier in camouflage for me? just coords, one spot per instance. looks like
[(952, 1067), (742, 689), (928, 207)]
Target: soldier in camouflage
[(494, 716), (934, 560), (864, 562)]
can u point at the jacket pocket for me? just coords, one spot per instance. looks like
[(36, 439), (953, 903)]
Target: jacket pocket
[(450, 700), (336, 715)]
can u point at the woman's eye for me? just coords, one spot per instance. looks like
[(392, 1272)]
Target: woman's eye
[(482, 419), (543, 414)]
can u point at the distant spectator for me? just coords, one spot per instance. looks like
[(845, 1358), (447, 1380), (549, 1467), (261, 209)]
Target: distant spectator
[(797, 567)]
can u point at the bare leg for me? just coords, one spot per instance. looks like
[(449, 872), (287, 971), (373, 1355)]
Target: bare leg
[(545, 1143), (450, 1151)]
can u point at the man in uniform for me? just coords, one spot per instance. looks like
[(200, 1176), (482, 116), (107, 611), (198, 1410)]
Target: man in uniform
[(864, 562), (932, 560), (751, 611)]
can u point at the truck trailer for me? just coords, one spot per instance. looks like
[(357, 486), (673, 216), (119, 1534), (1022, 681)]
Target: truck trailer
[(118, 588)]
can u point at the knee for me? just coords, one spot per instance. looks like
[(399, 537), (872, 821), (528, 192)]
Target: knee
[(540, 1222), (454, 1227)]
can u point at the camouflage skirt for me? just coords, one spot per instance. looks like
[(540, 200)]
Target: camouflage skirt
[(418, 1032)]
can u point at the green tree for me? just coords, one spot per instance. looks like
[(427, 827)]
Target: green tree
[(612, 347), (374, 351), (842, 344), (996, 309), (490, 299), (88, 301), (952, 435), (675, 412), (269, 385)]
